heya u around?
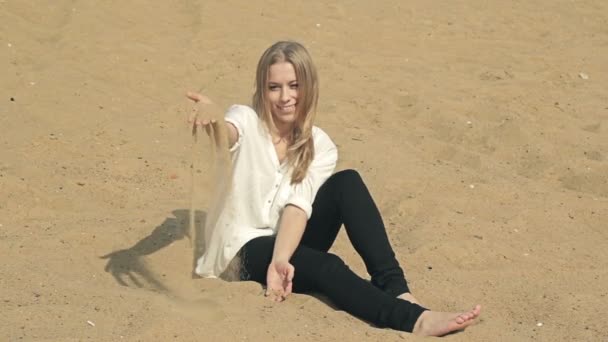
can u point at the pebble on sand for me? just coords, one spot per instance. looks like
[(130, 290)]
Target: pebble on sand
[(583, 76)]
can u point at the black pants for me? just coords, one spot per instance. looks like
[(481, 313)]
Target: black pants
[(343, 199)]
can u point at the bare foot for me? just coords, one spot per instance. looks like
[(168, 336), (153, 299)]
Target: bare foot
[(408, 297), (433, 323)]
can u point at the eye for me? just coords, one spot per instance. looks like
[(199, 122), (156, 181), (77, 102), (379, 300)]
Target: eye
[(273, 87), (293, 86)]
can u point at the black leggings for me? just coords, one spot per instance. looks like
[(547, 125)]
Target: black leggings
[(343, 199)]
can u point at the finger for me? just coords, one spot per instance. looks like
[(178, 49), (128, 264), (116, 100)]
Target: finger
[(290, 273), (270, 295), (281, 295), (288, 289), (193, 96), (276, 295), (204, 99)]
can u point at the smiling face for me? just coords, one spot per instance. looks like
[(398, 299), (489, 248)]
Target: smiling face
[(282, 94)]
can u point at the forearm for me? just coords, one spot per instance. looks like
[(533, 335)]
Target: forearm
[(225, 134), (291, 228), (207, 115)]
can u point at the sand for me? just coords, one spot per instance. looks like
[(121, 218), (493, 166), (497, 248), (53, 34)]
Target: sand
[(481, 128)]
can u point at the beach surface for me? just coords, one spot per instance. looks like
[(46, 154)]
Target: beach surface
[(480, 127)]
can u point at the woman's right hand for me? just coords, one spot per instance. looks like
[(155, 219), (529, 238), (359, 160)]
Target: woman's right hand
[(196, 116), (206, 114)]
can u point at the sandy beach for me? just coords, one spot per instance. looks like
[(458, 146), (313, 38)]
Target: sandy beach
[(480, 127)]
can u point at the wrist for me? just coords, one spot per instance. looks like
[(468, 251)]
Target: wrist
[(279, 260)]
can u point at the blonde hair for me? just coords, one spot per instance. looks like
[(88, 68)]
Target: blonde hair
[(301, 151)]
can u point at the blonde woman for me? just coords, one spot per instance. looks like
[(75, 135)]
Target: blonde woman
[(285, 207)]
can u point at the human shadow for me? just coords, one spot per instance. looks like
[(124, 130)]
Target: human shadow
[(128, 266)]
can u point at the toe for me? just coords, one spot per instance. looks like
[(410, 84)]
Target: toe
[(467, 316), (477, 309)]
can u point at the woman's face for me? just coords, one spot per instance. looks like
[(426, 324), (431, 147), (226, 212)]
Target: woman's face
[(282, 94)]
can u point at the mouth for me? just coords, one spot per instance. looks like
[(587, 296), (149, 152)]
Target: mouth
[(287, 109)]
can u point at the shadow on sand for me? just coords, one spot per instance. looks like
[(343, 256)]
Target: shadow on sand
[(127, 266)]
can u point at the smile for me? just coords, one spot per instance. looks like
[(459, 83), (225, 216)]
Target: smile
[(287, 108)]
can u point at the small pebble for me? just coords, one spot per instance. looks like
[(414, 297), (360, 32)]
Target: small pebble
[(13, 99), (91, 323), (318, 25), (9, 45), (472, 186), (583, 76), (539, 324)]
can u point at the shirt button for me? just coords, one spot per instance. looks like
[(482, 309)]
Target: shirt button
[(269, 201), (276, 185)]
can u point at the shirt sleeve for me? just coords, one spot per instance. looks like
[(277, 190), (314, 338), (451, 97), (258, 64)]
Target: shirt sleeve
[(240, 117), (323, 165)]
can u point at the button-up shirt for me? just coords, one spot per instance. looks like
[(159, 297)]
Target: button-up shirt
[(261, 188)]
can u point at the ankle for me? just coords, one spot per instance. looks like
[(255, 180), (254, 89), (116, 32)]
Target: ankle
[(418, 326)]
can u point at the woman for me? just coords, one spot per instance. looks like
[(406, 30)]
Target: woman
[(285, 207)]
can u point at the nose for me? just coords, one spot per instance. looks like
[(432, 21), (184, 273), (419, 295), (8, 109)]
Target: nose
[(284, 94)]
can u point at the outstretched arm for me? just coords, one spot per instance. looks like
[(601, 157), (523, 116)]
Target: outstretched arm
[(280, 272), (205, 112)]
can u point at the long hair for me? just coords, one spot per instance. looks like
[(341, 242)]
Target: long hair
[(301, 151)]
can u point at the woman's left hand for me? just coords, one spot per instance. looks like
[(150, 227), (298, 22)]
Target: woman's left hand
[(279, 279)]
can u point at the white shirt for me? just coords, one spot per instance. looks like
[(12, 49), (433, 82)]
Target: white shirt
[(260, 189)]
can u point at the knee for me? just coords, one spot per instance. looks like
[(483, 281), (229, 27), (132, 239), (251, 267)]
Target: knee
[(331, 264), (347, 178)]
